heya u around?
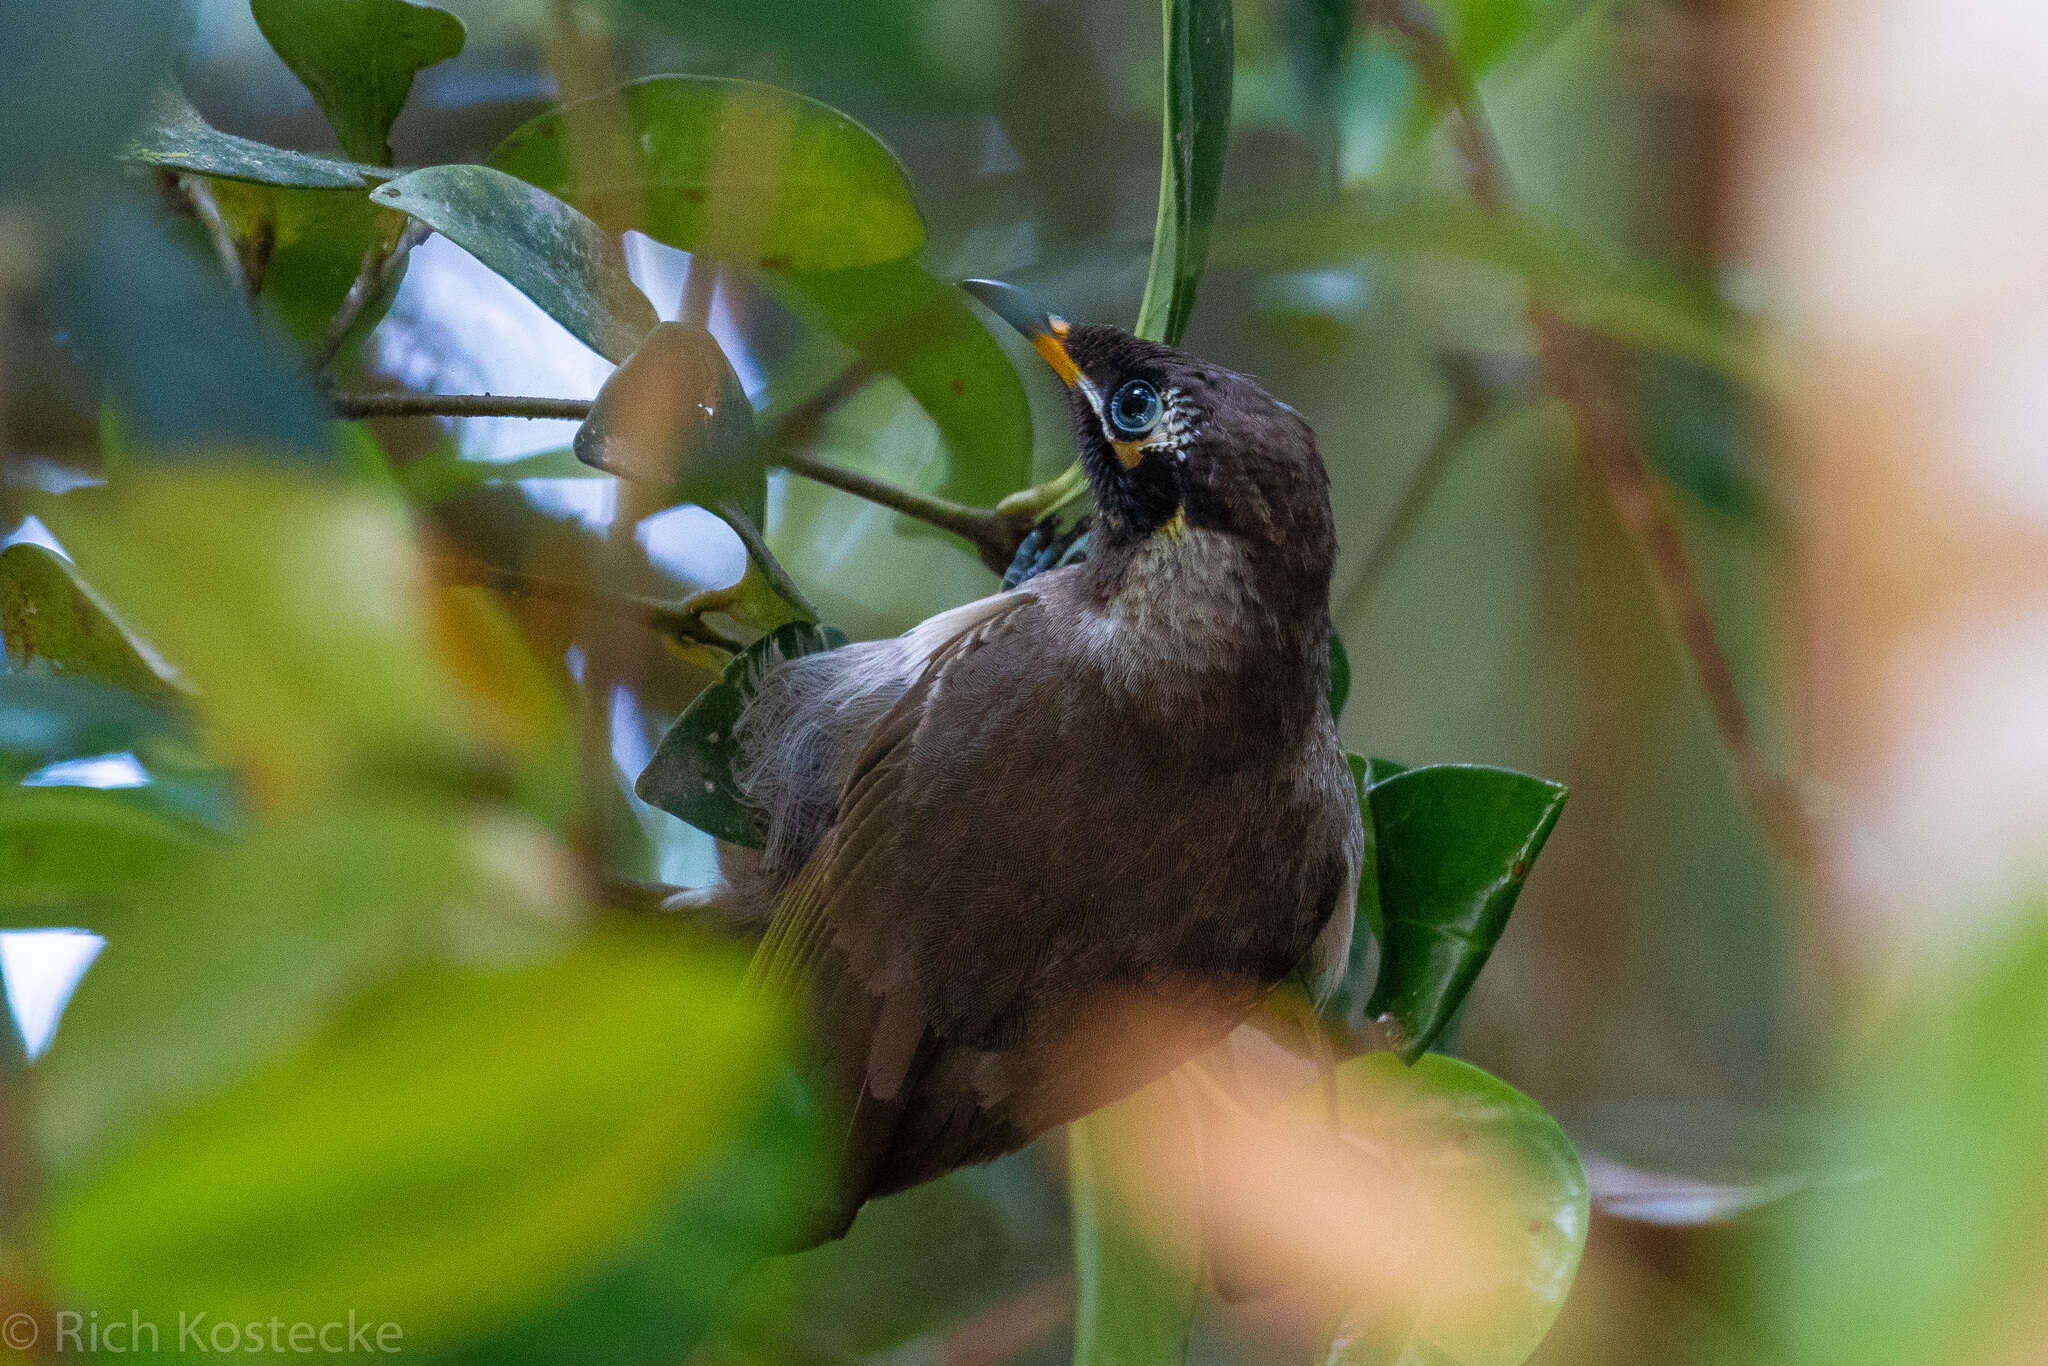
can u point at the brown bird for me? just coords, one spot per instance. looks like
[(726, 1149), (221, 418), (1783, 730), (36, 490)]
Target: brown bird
[(1044, 847)]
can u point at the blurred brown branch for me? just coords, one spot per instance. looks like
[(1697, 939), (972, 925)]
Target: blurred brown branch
[(1577, 374)]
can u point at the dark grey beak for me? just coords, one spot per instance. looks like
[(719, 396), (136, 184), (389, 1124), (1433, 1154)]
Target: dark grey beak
[(1046, 331)]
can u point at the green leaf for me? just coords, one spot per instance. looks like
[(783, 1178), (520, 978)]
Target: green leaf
[(690, 775), (358, 57), (75, 79), (747, 173), (1136, 1263), (459, 1149), (1339, 687), (51, 619), (65, 851), (555, 256), (1456, 842), (765, 597), (1501, 1187), (1195, 134), (295, 608), (675, 418), (905, 323), (47, 718), (255, 946), (178, 139)]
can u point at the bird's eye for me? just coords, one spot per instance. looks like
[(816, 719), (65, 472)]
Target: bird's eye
[(1135, 409)]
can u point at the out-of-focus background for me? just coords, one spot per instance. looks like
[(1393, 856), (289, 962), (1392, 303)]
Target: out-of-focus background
[(1779, 972)]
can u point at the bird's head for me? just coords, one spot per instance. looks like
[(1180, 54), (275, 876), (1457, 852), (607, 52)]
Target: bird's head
[(1173, 443)]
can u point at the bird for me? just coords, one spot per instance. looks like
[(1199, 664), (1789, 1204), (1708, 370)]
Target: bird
[(1044, 847)]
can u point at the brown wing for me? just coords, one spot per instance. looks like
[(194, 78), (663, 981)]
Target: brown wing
[(867, 1011)]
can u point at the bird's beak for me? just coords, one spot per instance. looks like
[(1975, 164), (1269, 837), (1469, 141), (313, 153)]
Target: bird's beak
[(1046, 332)]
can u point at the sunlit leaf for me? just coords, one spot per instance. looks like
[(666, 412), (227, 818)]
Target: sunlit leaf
[(555, 256), (1136, 1230), (254, 946), (907, 324), (458, 1149), (1196, 133), (302, 249), (1501, 1213), (675, 418), (295, 609), (1456, 843), (51, 619), (358, 57), (691, 773), (176, 138), (655, 1303), (744, 172)]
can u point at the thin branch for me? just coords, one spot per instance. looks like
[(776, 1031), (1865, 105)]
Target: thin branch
[(373, 281), (989, 531), (677, 623), (1576, 372), (1470, 403), (458, 405), (208, 208)]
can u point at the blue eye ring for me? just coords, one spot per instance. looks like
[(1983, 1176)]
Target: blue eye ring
[(1134, 409)]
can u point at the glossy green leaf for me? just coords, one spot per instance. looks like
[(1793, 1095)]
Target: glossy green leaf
[(908, 324), (1136, 1268), (66, 851), (358, 57), (303, 249), (1504, 1191), (1456, 843), (744, 172), (690, 775), (296, 610), (51, 619), (675, 418), (460, 1148), (176, 138), (1195, 134), (567, 264)]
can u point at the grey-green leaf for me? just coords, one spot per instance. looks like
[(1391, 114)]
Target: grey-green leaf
[(690, 775), (1456, 843), (178, 139), (1196, 132), (358, 57), (571, 267)]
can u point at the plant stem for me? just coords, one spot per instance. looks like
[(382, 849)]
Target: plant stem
[(1577, 374), (373, 281), (223, 237)]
